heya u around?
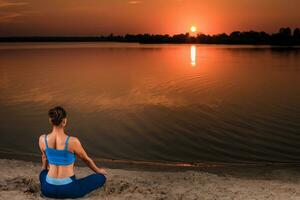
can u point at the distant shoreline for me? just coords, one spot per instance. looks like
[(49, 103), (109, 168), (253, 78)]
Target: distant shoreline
[(284, 37), (13, 40)]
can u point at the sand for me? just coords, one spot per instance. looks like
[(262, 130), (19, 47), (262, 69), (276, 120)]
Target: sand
[(19, 180)]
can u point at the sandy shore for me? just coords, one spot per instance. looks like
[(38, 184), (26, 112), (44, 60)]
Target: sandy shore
[(19, 180)]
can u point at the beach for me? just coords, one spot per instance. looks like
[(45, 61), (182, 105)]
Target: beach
[(19, 180)]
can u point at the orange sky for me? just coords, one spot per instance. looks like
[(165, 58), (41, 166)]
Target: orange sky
[(96, 17)]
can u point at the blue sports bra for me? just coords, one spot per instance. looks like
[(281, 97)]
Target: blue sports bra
[(59, 157)]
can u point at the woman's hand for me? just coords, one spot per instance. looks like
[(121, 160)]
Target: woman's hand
[(101, 171)]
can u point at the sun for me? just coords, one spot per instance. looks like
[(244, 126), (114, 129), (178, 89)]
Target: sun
[(193, 29)]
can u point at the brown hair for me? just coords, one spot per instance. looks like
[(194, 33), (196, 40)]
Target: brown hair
[(57, 114)]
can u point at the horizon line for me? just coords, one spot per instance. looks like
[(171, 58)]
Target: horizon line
[(145, 33)]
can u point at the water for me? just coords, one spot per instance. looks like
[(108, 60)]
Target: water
[(191, 103)]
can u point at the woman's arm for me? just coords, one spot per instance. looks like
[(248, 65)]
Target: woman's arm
[(80, 152), (42, 148)]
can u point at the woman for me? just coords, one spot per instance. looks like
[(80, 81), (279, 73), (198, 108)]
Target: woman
[(58, 156)]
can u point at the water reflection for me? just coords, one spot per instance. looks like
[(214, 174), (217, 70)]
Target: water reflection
[(193, 55), (138, 103)]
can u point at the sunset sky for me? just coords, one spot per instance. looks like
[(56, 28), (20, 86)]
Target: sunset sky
[(99, 17)]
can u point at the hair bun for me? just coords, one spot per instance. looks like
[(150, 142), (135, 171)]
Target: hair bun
[(57, 114)]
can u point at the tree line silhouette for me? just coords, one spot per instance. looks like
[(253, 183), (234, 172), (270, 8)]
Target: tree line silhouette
[(285, 36)]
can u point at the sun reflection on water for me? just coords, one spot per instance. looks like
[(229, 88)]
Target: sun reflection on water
[(193, 55)]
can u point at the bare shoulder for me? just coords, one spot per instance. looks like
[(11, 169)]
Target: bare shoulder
[(74, 144), (42, 137), (74, 140)]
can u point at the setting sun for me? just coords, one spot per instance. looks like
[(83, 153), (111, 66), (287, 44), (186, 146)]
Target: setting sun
[(193, 29)]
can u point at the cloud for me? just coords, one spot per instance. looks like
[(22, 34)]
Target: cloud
[(11, 4), (135, 2)]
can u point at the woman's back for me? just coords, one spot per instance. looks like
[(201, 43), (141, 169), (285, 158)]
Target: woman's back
[(59, 151)]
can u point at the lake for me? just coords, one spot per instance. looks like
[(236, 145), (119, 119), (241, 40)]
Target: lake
[(182, 103)]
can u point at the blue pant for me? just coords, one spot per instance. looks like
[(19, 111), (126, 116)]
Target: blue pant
[(77, 188)]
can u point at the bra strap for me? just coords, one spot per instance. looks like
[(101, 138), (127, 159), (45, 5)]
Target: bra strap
[(46, 141), (67, 142)]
